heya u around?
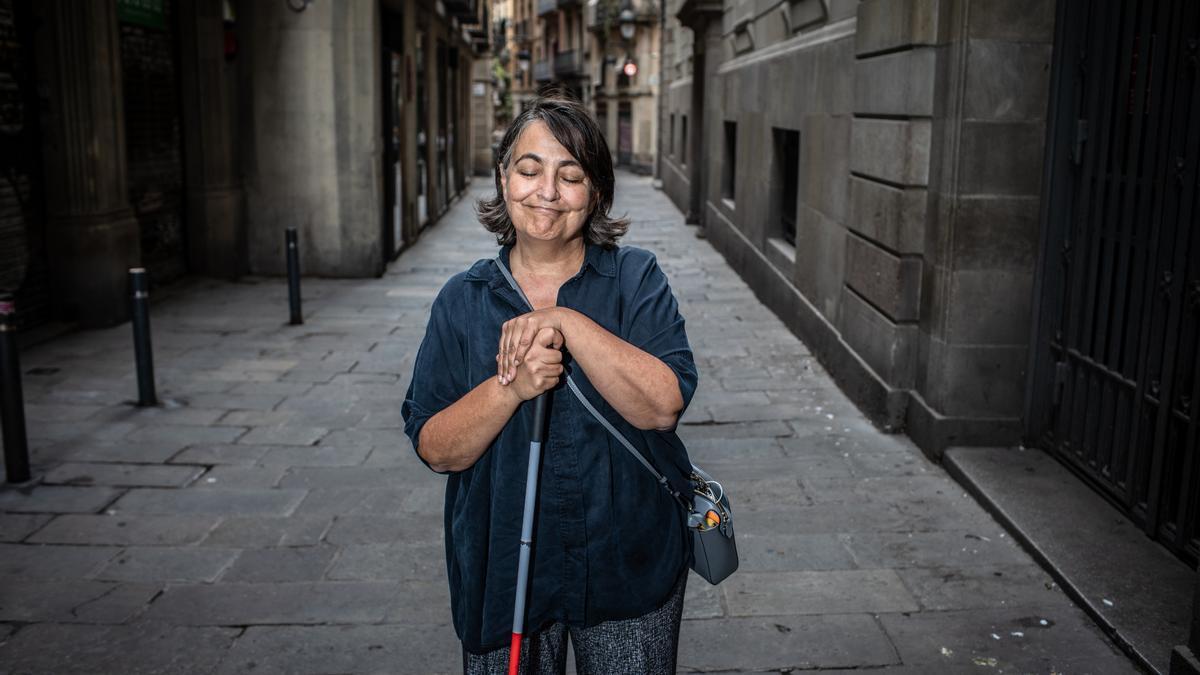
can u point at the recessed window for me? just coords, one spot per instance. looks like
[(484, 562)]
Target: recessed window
[(671, 137), (787, 173), (729, 166), (683, 137)]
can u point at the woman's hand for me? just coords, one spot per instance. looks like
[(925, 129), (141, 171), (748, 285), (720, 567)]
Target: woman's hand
[(518, 335), (540, 367)]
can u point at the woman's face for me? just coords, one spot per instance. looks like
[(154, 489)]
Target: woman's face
[(547, 193)]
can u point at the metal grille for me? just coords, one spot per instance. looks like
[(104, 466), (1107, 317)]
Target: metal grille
[(1116, 371), (153, 143), (24, 270)]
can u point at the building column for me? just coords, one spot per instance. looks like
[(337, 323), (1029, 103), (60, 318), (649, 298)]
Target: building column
[(216, 236), (91, 234), (697, 15)]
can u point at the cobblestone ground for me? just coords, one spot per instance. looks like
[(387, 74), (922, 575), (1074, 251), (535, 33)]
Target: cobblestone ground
[(270, 516)]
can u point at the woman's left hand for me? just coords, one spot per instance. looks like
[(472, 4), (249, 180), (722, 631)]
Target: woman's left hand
[(516, 336)]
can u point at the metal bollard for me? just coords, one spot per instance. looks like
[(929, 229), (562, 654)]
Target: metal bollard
[(12, 400), (293, 272), (141, 337)]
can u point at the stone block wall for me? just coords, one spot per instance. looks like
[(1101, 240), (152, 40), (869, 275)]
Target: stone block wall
[(988, 135), (921, 127), (894, 87), (676, 92)]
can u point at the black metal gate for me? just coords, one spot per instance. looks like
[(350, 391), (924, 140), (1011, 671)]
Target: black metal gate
[(1115, 382)]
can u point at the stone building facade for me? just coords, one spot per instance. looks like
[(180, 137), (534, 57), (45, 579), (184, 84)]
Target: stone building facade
[(606, 53), (979, 214), (873, 170), (185, 135), (626, 105)]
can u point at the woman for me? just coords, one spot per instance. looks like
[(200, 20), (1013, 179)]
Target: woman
[(610, 559)]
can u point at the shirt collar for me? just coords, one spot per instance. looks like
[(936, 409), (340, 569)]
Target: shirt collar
[(602, 260)]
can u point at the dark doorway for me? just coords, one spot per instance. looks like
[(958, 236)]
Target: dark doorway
[(154, 135), (422, 111), (443, 164), (787, 173), (24, 271), (624, 133), (1115, 382), (393, 133)]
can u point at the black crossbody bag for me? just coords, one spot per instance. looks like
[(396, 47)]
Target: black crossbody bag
[(709, 515)]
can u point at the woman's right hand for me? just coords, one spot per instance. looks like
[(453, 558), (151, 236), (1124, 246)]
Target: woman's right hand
[(542, 366)]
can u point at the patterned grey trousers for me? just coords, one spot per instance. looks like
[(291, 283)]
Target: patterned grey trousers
[(643, 645)]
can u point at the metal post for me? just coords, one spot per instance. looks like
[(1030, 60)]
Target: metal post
[(141, 337), (12, 403), (293, 271)]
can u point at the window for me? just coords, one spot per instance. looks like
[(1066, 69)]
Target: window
[(787, 175), (729, 166), (671, 137), (683, 138)]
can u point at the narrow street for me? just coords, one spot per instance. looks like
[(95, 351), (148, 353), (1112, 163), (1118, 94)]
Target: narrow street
[(270, 516)]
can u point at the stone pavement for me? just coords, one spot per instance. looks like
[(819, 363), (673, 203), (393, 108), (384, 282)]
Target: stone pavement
[(270, 517)]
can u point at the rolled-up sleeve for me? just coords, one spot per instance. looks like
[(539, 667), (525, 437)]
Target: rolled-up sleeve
[(653, 324), (439, 372)]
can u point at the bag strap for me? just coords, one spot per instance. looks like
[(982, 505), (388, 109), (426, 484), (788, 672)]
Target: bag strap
[(662, 480)]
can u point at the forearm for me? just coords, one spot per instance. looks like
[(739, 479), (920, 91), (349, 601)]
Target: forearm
[(455, 438), (639, 386)]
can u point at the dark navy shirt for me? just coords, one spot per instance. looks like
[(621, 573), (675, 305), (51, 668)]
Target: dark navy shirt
[(609, 542)]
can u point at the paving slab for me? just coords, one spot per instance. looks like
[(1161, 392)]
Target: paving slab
[(135, 649), (395, 561), (99, 450), (315, 456), (122, 603), (816, 592), (960, 548), (25, 561), (18, 526), (1013, 639), (241, 477), (287, 563), (314, 650), (187, 434), (793, 552), (282, 603), (247, 532), (55, 499), (209, 454), (125, 530), (277, 502), (167, 563), (784, 644), (289, 435), (982, 586), (37, 601), (120, 475)]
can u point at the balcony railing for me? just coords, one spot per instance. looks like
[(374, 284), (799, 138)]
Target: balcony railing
[(568, 63), (644, 11), (543, 71)]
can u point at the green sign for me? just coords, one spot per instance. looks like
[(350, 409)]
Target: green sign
[(149, 13)]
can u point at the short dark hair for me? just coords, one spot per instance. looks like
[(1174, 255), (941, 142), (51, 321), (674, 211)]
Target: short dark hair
[(575, 129)]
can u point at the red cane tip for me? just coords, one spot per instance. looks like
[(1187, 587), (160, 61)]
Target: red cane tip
[(514, 654)]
